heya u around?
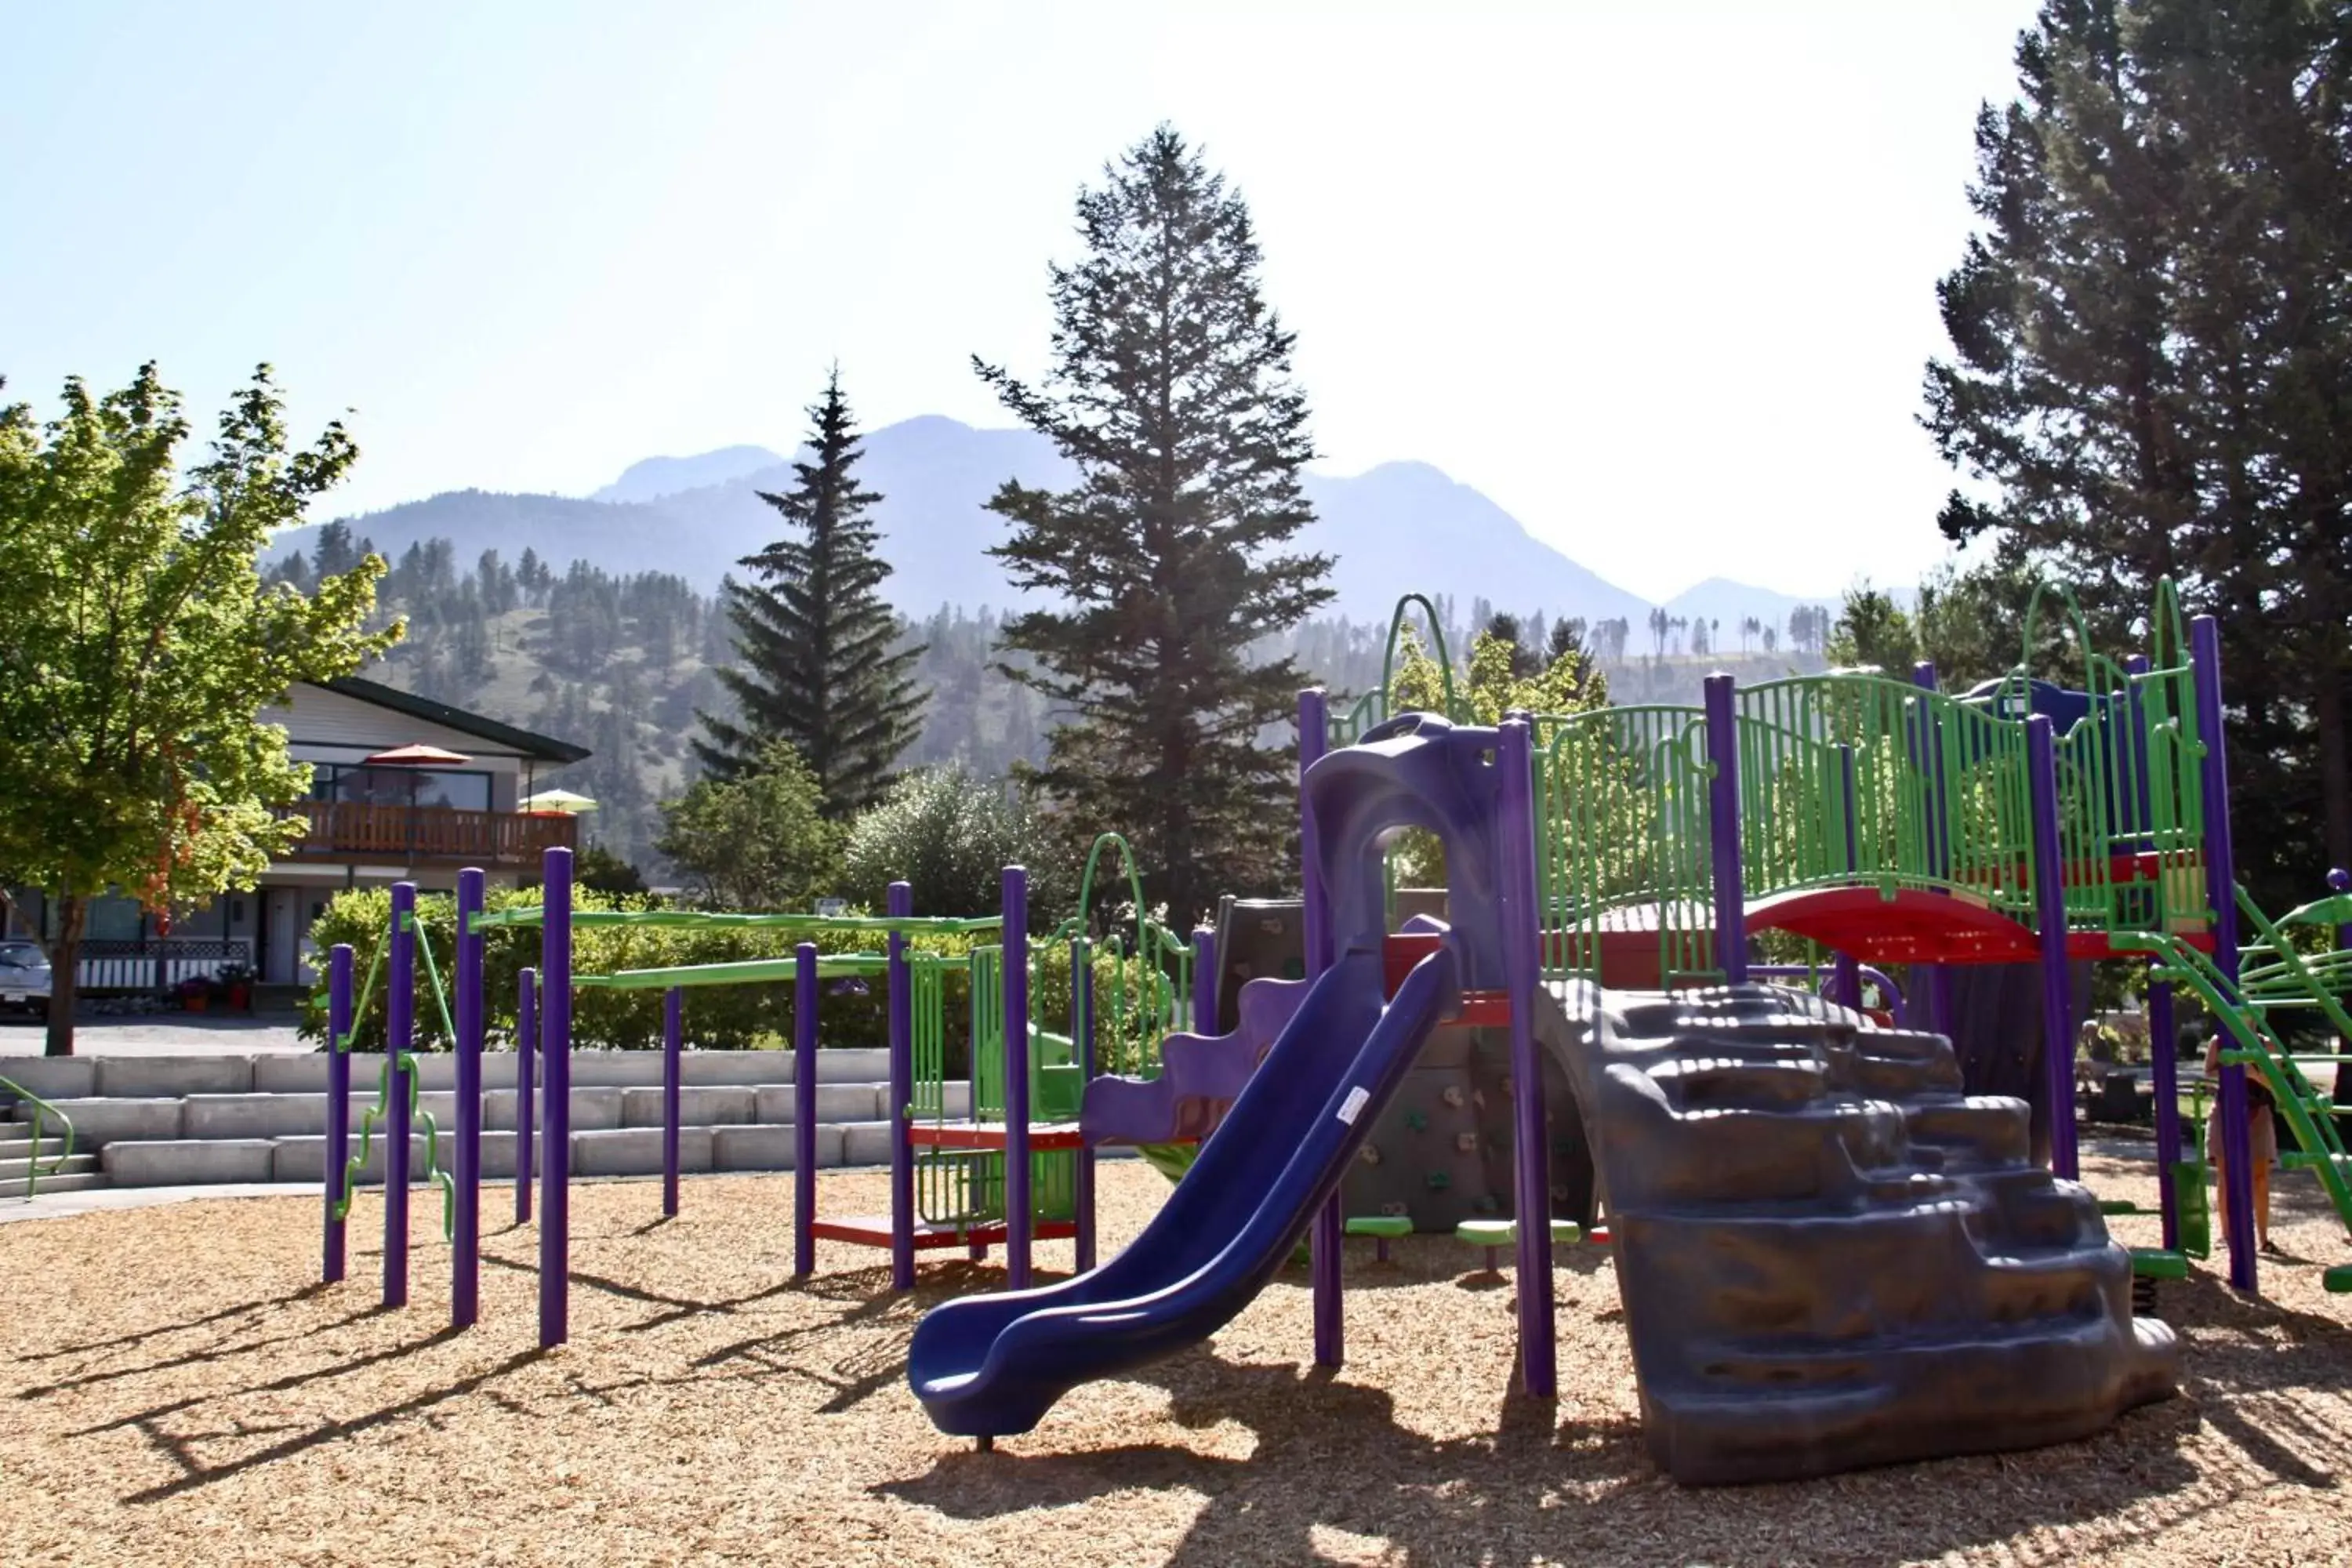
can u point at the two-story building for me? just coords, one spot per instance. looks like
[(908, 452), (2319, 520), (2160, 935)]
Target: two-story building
[(368, 824)]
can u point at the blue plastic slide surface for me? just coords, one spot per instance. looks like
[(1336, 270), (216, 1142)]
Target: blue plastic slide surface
[(993, 1365)]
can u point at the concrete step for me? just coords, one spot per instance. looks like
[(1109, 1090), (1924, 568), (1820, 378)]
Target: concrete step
[(300, 1158), (79, 1181), (15, 1170), (182, 1161), (590, 1069), (99, 1122)]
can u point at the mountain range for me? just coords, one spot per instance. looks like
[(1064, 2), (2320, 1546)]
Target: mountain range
[(1397, 527)]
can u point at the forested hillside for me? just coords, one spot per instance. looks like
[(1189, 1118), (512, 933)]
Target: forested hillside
[(619, 662)]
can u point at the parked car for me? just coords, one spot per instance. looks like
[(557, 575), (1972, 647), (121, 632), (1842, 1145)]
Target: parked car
[(24, 978)]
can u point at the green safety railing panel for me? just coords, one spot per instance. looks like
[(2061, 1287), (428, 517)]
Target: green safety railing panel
[(1941, 797), (1624, 838), (988, 1083), (927, 994)]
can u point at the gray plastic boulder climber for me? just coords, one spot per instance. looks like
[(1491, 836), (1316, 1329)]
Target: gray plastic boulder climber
[(1831, 1257)]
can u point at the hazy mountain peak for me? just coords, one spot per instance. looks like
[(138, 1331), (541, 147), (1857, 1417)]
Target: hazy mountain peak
[(657, 477)]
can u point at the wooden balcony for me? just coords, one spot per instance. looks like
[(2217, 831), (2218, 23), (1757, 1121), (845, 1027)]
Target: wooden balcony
[(352, 830)]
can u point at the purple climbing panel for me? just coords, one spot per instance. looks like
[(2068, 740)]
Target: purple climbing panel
[(1200, 1076)]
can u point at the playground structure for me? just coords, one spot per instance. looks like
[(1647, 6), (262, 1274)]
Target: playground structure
[(1883, 820)]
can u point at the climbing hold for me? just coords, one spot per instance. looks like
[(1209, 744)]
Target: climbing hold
[(1438, 1181), (1371, 1154), (1417, 1121), (1487, 1203), (1453, 1096), (1465, 1143)]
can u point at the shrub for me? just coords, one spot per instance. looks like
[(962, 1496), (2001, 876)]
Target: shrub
[(757, 842), (949, 835)]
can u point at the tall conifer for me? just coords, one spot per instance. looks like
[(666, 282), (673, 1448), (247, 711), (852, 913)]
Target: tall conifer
[(814, 638), (1169, 389)]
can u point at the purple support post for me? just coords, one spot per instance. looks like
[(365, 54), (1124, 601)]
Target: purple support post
[(1204, 981), (1082, 1032), (900, 905), (1327, 1235), (2221, 888), (338, 1101), (1018, 1214), (1936, 994), (1723, 820), (1515, 883), (673, 1066), (1849, 968), (466, 1246), (804, 1006), (400, 1015), (555, 1079), (2165, 1063), (526, 1091), (2049, 918)]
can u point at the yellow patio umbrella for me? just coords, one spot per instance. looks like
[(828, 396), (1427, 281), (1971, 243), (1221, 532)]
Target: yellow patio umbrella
[(563, 800)]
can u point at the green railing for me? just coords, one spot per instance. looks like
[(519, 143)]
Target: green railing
[(42, 1109), (1623, 837)]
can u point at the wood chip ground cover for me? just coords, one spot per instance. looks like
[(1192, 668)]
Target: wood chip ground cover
[(178, 1390)]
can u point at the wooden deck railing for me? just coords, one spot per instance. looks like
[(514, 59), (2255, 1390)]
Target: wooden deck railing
[(345, 829)]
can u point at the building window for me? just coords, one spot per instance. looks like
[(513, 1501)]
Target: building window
[(450, 788)]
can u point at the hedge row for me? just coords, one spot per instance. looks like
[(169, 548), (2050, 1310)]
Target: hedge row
[(723, 1017)]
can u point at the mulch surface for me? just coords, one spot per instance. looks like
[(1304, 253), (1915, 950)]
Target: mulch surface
[(179, 1389)]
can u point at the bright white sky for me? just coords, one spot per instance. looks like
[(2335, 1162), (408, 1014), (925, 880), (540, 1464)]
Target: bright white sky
[(1659, 278)]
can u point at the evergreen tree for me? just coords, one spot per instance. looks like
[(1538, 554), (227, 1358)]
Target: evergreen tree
[(820, 665), (1170, 391), (2149, 359)]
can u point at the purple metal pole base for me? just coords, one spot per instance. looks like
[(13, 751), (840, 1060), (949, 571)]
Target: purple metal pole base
[(339, 1103), (466, 1245), (900, 904), (1019, 1215), (2164, 1059), (673, 1052), (804, 1020), (2049, 918), (400, 1012), (555, 1079)]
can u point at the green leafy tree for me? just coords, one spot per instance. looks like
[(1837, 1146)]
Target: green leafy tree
[(757, 842), (1873, 630), (2148, 358), (824, 665), (1170, 391), (137, 643)]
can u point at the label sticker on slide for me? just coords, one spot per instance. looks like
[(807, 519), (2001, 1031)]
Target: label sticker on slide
[(1350, 1107)]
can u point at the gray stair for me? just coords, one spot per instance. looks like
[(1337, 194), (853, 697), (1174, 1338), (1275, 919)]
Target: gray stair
[(193, 1120)]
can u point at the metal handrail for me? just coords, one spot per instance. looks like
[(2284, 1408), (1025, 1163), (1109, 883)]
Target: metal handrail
[(40, 1106)]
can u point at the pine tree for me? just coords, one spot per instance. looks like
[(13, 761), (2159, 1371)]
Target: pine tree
[(1170, 391), (2149, 354), (819, 665)]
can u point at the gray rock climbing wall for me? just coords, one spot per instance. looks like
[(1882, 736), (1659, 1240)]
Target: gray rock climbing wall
[(1831, 1257), (1443, 1150)]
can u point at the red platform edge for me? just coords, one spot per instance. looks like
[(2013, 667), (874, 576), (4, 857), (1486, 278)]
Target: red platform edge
[(1043, 1135), (873, 1230)]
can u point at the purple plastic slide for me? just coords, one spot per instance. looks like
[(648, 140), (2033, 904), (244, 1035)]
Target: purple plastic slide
[(993, 1365)]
